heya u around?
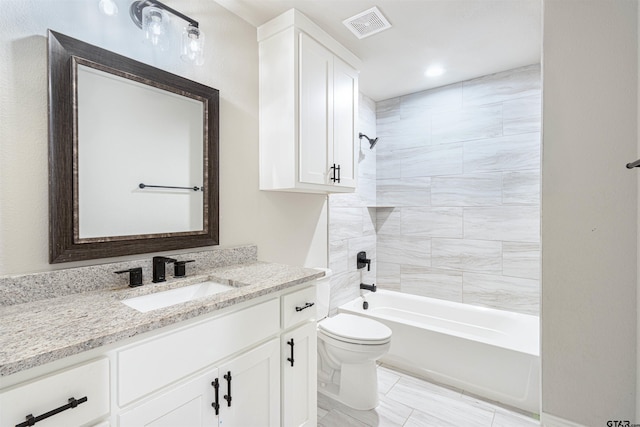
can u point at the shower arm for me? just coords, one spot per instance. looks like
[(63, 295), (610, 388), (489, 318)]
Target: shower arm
[(372, 142)]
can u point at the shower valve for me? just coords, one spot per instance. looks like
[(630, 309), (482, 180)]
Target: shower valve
[(363, 261)]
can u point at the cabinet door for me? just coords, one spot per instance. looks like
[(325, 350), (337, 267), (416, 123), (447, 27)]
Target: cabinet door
[(316, 120), (345, 111), (299, 403), (187, 405), (250, 388)]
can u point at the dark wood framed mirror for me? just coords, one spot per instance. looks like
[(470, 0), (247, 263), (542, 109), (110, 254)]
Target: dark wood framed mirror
[(133, 156)]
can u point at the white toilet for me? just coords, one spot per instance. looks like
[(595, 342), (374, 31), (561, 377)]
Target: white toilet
[(348, 347)]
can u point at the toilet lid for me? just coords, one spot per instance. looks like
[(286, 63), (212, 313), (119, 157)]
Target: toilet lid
[(355, 328)]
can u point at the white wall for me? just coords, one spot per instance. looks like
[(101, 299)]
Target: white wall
[(288, 228), (589, 210)]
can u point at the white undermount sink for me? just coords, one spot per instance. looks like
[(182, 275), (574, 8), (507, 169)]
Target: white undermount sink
[(171, 297)]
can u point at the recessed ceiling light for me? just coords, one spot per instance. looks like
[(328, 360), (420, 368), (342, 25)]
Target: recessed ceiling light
[(434, 71)]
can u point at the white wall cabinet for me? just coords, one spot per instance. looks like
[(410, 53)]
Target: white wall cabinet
[(167, 377), (308, 108)]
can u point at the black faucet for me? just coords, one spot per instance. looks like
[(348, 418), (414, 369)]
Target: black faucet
[(159, 270), (371, 287)]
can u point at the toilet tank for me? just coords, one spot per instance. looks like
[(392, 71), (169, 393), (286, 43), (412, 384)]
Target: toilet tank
[(323, 293)]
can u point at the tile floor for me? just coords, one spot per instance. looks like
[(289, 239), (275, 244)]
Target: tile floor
[(411, 402)]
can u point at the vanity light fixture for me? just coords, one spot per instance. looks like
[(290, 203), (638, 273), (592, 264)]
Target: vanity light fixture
[(152, 17)]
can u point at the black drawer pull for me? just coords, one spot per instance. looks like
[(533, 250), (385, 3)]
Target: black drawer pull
[(290, 359), (307, 305), (216, 404), (227, 396), (31, 420)]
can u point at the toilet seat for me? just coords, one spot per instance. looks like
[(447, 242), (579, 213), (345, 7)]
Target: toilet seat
[(355, 329)]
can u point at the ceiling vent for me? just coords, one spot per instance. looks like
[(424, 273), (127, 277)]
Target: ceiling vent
[(367, 23)]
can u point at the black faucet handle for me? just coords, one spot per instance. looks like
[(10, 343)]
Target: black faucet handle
[(179, 270), (363, 261), (135, 276)]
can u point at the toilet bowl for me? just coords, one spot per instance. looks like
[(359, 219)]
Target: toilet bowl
[(348, 348)]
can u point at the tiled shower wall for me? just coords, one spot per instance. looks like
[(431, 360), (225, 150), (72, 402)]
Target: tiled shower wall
[(458, 178), (352, 219)]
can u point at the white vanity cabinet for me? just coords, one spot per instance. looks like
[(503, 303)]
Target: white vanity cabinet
[(242, 389), (308, 108), (299, 359), (189, 404), (242, 392), (74, 396), (228, 368), (250, 388)]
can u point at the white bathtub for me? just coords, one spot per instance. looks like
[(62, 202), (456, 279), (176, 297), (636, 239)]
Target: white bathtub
[(490, 353)]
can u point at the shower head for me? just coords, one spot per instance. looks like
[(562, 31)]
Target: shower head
[(371, 141)]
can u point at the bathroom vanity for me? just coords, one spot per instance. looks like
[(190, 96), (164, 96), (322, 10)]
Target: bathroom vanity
[(243, 356)]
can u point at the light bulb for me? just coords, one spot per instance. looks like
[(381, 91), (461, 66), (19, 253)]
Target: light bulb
[(155, 23), (108, 7), (192, 45)]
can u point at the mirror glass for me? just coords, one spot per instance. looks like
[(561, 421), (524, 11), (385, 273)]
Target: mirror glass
[(133, 156), (129, 134)]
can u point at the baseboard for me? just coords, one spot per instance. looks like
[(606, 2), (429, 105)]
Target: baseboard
[(548, 420)]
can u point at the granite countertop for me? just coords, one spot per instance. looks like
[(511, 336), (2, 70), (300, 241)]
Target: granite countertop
[(38, 332)]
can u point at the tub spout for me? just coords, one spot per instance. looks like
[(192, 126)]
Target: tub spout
[(371, 287)]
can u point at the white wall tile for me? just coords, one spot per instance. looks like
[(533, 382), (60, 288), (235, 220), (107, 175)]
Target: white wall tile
[(459, 167), (468, 124), (388, 275), (503, 86), (507, 153), (467, 190), (403, 191), (345, 223), (431, 282), (431, 222), (404, 249), (432, 160), (345, 200), (338, 256), (388, 165), (369, 221), (344, 288), (521, 259), (387, 221), (446, 98), (522, 115), (521, 188), (511, 223), (387, 111), (366, 191), (502, 292), (467, 255)]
